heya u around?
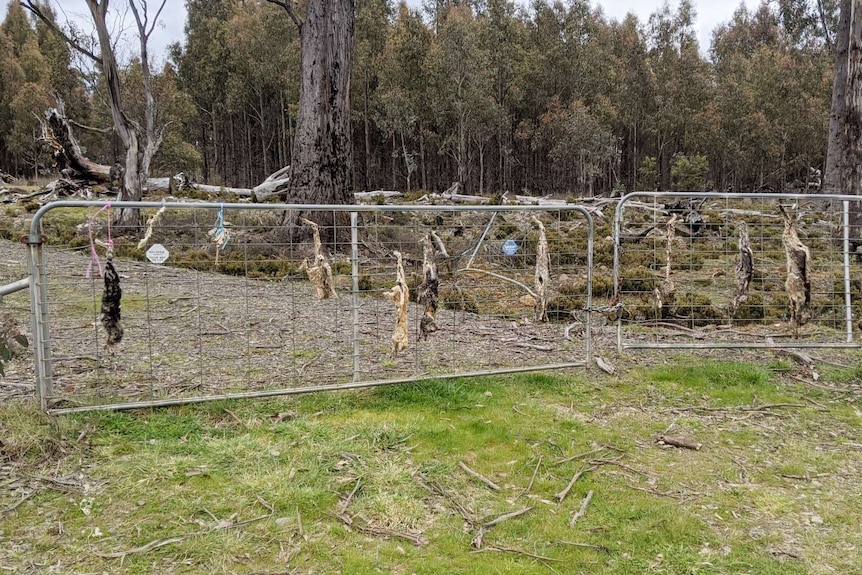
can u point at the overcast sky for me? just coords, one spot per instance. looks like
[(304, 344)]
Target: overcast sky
[(710, 13)]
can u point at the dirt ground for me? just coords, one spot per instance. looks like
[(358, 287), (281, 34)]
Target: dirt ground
[(192, 333)]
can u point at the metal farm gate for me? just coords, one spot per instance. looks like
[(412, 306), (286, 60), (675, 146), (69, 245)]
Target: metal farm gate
[(217, 300), (679, 281)]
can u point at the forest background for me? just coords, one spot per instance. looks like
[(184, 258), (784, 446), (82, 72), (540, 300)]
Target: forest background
[(545, 98)]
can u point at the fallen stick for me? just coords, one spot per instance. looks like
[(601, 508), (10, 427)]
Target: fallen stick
[(500, 518), (346, 503), (562, 494), (584, 545), (599, 462), (462, 511), (479, 476), (532, 479), (580, 455), (765, 407), (15, 506), (800, 357), (679, 442), (518, 551), (605, 366), (158, 543), (582, 510), (367, 529)]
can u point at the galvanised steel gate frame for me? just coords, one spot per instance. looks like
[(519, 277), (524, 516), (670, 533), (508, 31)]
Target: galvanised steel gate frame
[(41, 317), (845, 202)]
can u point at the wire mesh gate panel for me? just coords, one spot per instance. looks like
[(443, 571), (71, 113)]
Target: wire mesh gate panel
[(231, 311), (679, 277)]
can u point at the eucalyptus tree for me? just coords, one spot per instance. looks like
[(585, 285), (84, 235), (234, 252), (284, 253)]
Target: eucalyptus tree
[(372, 27), (844, 166), (633, 95), (24, 87), (204, 67), (140, 142), (504, 38), (461, 84), (833, 181), (322, 167), (404, 91), (34, 64), (683, 82)]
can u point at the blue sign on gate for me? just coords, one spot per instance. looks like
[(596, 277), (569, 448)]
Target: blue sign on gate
[(510, 247)]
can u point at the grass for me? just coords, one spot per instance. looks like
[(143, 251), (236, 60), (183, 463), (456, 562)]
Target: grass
[(772, 491)]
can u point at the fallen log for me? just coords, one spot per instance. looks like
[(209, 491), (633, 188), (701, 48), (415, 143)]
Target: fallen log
[(66, 151), (376, 194), (274, 184)]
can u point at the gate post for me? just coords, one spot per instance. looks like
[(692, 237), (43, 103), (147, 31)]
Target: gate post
[(39, 316), (354, 271), (848, 303)]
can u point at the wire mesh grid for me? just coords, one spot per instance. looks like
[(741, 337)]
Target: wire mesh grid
[(681, 283), (246, 319)]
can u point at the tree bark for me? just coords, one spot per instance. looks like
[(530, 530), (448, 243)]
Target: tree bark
[(322, 160), (66, 150), (132, 189), (851, 158), (832, 177)]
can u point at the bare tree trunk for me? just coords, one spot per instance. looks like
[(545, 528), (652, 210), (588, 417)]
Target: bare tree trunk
[(462, 152), (132, 189), (832, 177), (422, 158), (367, 179), (851, 158), (322, 158)]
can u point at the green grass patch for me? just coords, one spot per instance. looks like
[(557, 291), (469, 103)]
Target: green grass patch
[(258, 487)]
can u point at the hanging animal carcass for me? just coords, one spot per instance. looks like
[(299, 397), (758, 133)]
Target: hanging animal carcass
[(111, 297), (400, 294), (798, 283)]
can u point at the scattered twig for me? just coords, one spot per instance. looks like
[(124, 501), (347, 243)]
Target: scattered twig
[(151, 546), (532, 479), (15, 506), (605, 366), (500, 518), (562, 494), (746, 408), (18, 385), (669, 427), (479, 476), (479, 540), (462, 511), (517, 551), (820, 385), (159, 543), (534, 346), (679, 442), (346, 503), (799, 356), (582, 510), (816, 403), (500, 277), (580, 455), (584, 545), (234, 416), (299, 528), (657, 492), (367, 529), (59, 483), (598, 462)]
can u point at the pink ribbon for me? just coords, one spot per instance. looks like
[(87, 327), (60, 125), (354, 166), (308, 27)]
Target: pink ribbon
[(94, 256)]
